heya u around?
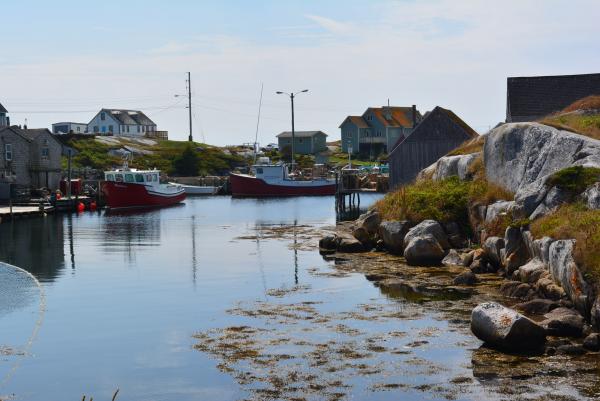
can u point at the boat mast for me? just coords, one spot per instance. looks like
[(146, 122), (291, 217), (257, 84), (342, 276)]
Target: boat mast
[(258, 121), (189, 85)]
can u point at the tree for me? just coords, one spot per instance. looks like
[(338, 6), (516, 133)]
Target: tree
[(188, 163)]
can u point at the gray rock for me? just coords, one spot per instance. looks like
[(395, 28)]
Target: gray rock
[(553, 199), (466, 278), (541, 249), (455, 235), (329, 242), (505, 328), (452, 259), (516, 289), (428, 227), (448, 166), (595, 313), (563, 322), (482, 266), (423, 251), (537, 306), (532, 271), (515, 252), (392, 233), (491, 248), (570, 349), (349, 245), (363, 236), (497, 209), (369, 222), (591, 196), (520, 157), (592, 342), (564, 272)]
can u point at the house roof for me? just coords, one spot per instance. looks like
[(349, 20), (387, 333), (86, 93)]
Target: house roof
[(2, 109), (431, 120), (393, 116), (32, 133), (300, 134), (129, 117), (17, 131), (531, 98), (69, 122), (356, 120)]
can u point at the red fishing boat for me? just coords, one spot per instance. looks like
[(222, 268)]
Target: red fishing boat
[(130, 188), (273, 180)]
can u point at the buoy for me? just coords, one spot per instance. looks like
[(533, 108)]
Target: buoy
[(58, 196), (93, 206), (80, 207)]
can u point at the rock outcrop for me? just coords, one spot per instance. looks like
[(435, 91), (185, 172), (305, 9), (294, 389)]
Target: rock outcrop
[(521, 156), (425, 244), (505, 328), (449, 166)]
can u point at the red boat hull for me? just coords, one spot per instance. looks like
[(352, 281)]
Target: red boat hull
[(121, 195), (242, 185)]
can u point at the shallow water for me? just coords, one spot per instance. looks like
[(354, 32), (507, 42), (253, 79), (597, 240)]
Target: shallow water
[(217, 298)]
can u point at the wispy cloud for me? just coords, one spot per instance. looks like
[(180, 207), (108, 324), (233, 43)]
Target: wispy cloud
[(331, 25)]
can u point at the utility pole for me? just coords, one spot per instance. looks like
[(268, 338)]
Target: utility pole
[(293, 131), (189, 82)]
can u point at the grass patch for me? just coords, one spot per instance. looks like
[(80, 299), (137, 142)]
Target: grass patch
[(471, 146), (581, 117), (574, 180), (575, 221)]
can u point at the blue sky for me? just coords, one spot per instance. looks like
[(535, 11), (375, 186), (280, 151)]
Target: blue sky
[(63, 60)]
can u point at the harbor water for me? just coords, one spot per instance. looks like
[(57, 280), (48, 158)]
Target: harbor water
[(215, 299)]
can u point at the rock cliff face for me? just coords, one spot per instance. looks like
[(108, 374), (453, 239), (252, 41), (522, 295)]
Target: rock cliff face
[(521, 157)]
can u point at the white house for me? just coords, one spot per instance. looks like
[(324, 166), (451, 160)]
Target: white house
[(121, 122), (69, 128)]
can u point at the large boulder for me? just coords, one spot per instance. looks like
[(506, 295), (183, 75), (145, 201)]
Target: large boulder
[(532, 271), (392, 233), (505, 328), (565, 273), (497, 209), (521, 156), (515, 253), (431, 228), (349, 244), (369, 222), (424, 251), (553, 199)]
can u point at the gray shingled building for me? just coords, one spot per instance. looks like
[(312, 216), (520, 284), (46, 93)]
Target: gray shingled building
[(532, 98), (438, 133)]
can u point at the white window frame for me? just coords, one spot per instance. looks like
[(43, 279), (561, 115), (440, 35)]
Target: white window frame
[(8, 152)]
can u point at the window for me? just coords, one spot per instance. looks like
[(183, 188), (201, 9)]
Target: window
[(143, 128), (154, 177), (300, 140), (259, 170), (119, 177), (128, 128), (8, 152), (110, 128), (149, 178), (45, 152), (95, 128), (102, 116), (139, 178), (110, 177), (138, 128), (78, 129), (104, 128), (128, 177)]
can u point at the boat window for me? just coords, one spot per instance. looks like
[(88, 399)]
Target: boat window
[(139, 178), (119, 177), (259, 170), (110, 177), (128, 177)]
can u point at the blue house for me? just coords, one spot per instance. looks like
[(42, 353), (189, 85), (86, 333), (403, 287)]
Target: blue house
[(305, 142), (378, 129)]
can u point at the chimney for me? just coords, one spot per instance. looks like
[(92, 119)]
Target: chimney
[(414, 115)]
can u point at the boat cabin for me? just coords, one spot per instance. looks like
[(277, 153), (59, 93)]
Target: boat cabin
[(150, 177), (271, 171)]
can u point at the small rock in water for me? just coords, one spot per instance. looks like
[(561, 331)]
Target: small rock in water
[(466, 278), (328, 242), (505, 328)]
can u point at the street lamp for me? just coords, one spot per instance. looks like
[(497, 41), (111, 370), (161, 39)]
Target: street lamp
[(292, 95)]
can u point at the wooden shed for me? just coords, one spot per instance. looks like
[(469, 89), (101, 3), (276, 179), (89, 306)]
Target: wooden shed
[(438, 133)]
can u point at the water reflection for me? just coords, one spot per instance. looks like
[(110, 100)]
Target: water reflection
[(127, 231), (36, 245)]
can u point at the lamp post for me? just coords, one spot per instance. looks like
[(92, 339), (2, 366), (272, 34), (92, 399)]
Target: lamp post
[(292, 95)]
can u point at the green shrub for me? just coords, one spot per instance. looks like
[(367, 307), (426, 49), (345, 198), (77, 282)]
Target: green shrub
[(575, 179)]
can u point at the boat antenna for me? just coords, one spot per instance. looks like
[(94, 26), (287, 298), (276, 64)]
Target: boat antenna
[(262, 85)]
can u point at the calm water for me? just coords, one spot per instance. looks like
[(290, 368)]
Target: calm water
[(125, 294)]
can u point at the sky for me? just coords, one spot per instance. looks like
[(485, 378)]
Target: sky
[(64, 60)]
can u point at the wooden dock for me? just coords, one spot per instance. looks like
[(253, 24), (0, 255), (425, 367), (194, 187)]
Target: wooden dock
[(15, 212)]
